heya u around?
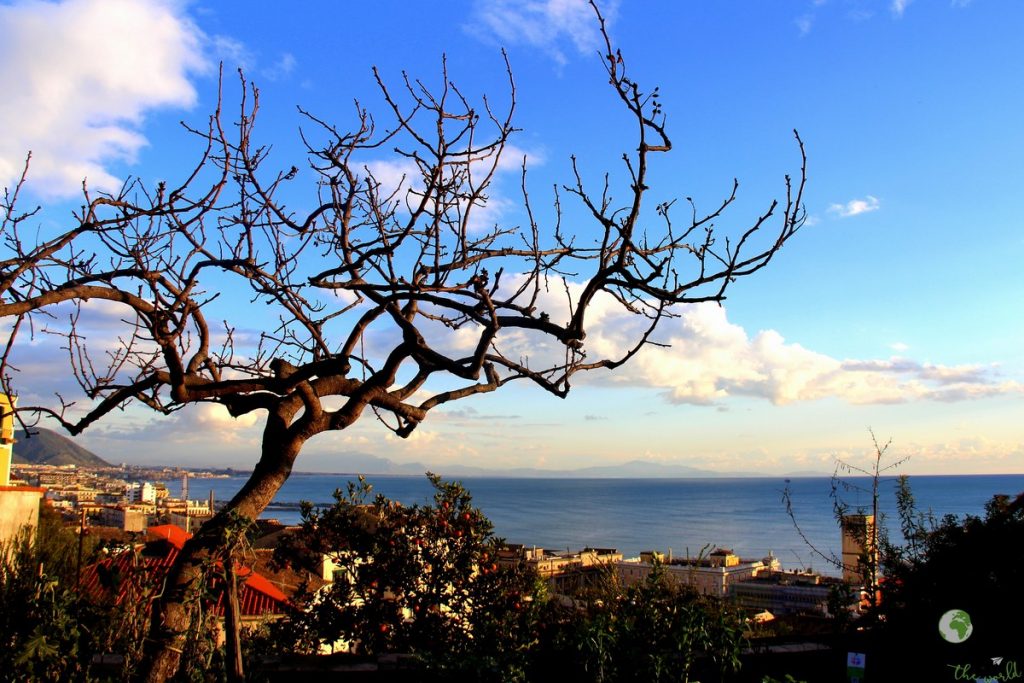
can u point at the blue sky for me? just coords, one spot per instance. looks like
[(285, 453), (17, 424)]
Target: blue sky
[(897, 308)]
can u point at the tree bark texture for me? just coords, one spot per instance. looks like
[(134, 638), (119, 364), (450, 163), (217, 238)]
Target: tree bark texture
[(232, 622), (172, 613)]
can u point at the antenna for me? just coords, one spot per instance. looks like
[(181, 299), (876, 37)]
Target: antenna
[(799, 561), (184, 497)]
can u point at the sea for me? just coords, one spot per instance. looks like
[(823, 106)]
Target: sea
[(678, 516)]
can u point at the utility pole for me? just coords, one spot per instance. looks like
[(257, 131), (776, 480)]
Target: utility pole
[(81, 541), (184, 497)]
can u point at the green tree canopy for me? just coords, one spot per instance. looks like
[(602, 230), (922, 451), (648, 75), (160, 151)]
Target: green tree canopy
[(420, 579)]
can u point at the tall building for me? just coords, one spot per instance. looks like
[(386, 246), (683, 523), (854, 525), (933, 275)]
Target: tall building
[(141, 492), (6, 437), (860, 550), (19, 505)]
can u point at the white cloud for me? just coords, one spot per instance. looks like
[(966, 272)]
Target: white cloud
[(236, 55), (805, 23), (855, 207), (543, 24), (231, 52), (899, 347), (397, 177), (280, 69), (424, 445), (79, 77), (394, 176), (953, 456), (856, 11), (898, 7), (975, 451), (710, 360), (196, 423)]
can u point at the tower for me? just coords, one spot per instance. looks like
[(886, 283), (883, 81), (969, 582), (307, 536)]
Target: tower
[(6, 437), (19, 505), (860, 550)]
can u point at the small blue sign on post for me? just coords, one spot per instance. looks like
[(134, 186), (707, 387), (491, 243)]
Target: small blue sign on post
[(855, 667)]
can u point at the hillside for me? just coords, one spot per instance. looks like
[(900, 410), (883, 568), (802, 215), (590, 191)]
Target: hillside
[(47, 447)]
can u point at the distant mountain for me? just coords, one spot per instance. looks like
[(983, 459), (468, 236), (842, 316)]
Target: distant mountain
[(808, 473), (47, 447), (643, 469), (636, 469)]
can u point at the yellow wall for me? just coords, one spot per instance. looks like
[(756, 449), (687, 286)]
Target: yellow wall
[(6, 437), (19, 511)]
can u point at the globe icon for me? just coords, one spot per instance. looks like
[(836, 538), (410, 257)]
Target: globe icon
[(955, 626)]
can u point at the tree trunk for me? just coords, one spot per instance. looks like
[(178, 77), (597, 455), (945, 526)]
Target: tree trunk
[(171, 613), (232, 623)]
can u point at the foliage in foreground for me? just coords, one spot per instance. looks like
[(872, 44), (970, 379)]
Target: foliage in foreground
[(49, 631), (54, 628), (466, 618), (420, 579), (424, 579), (975, 564), (654, 630)]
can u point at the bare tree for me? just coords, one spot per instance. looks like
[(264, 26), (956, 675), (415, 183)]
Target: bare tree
[(866, 525), (408, 263)]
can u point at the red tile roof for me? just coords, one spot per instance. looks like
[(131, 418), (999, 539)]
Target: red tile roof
[(171, 533), (135, 574)]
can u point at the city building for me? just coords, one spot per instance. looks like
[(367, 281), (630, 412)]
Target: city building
[(188, 514), (59, 476), (124, 517), (784, 593), (6, 437), (141, 492), (19, 505), (860, 551), (564, 572), (712, 575)]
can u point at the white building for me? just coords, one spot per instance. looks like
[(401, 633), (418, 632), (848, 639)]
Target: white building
[(712, 575), (124, 518), (141, 493)]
